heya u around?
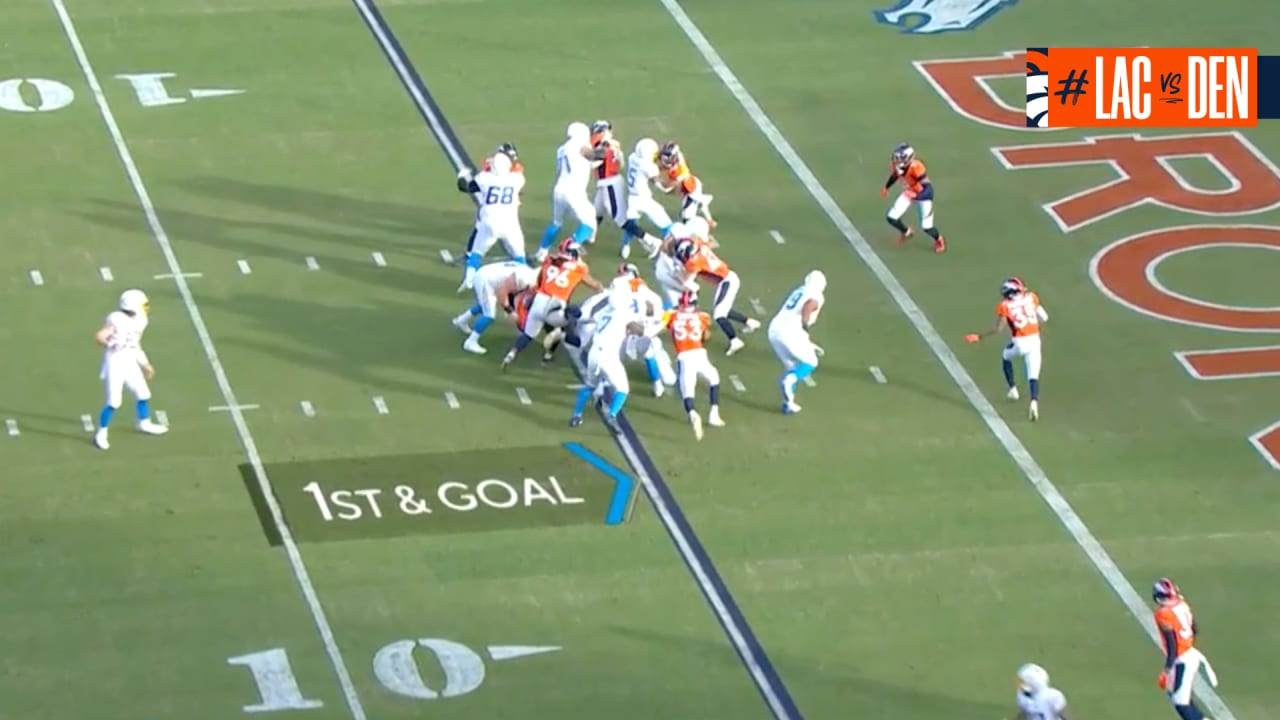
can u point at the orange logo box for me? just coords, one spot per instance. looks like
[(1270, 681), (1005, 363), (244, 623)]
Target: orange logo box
[(1142, 87)]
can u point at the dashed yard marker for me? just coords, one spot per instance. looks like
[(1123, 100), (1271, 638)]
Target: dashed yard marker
[(777, 237), (12, 425), (575, 386), (757, 306), (736, 382), (312, 264), (86, 422), (878, 374), (162, 417), (244, 267), (225, 408), (379, 260), (106, 274), (523, 395), (36, 278), (171, 276), (307, 408), (448, 258), (452, 401), (810, 381), (380, 405)]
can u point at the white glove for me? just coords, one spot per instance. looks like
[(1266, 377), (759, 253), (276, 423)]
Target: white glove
[(818, 350), (465, 174)]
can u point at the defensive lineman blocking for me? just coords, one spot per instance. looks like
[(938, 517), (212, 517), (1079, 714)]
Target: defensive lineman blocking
[(126, 365)]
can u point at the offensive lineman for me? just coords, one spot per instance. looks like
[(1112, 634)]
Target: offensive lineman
[(642, 298), (569, 196), (642, 174), (125, 365), (497, 188), (613, 328), (789, 336), (493, 283)]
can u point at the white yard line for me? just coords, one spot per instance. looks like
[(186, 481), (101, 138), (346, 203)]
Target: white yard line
[(37, 278), (215, 363), (523, 396), (380, 404), (452, 401), (244, 267), (1080, 533)]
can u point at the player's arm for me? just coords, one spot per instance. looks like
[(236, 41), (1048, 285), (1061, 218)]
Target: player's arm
[(1170, 637), (591, 282), (467, 182), (1001, 322), (1042, 313), (594, 154), (893, 178), (103, 336), (809, 312)]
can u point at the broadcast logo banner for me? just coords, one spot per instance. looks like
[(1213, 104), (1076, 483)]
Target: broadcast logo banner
[(1150, 87)]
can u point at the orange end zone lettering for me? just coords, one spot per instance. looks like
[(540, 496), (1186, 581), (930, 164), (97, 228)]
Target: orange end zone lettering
[(1231, 364)]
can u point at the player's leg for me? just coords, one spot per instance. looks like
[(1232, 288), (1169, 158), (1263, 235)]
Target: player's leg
[(113, 387), (559, 208), (723, 313), (1031, 358), (513, 240), (926, 224), (585, 214), (136, 382), (709, 373), (803, 361), (634, 208), (615, 374), (484, 310), (894, 216), (532, 326), (591, 378), (687, 382), (482, 239), (1007, 356), (1181, 680)]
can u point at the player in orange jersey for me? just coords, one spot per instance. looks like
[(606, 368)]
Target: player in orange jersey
[(611, 184), (1182, 661), (510, 151), (907, 169), (676, 174), (688, 327), (1020, 311), (700, 262), (559, 277)]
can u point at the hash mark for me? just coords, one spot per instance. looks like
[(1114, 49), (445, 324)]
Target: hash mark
[(808, 380), (452, 401), (308, 409), (244, 267), (171, 276), (736, 382), (106, 274), (379, 260), (312, 264), (777, 237), (757, 306), (86, 422), (13, 427), (380, 405), (878, 374), (448, 258), (523, 395), (162, 417), (228, 408), (36, 278)]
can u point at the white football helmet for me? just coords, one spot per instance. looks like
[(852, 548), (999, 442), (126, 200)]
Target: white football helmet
[(698, 227), (1032, 678), (647, 148), (500, 164), (816, 279), (135, 301), (578, 131)]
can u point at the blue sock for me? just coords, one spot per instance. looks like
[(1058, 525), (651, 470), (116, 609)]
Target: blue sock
[(549, 236), (631, 229), (615, 406), (1008, 372), (520, 259), (1035, 389), (651, 364), (583, 233), (715, 395), (803, 370), (475, 310), (144, 409), (688, 405), (482, 324), (104, 417), (788, 384), (626, 239), (522, 342), (580, 403), (667, 230)]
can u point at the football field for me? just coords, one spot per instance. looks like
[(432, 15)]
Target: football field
[(353, 519)]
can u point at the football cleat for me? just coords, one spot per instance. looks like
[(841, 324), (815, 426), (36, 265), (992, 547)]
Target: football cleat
[(790, 408), (903, 237), (751, 326), (735, 345), (696, 421), (100, 439), (1033, 411), (151, 427), (575, 421), (474, 347), (713, 417), (461, 322), (940, 245), (1013, 393)]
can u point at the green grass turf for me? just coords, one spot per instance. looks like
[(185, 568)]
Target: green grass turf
[(879, 538)]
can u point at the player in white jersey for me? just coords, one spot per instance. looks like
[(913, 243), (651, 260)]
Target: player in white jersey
[(614, 326), (1037, 700), (569, 195), (497, 189), (673, 278), (125, 365), (648, 305), (789, 336), (642, 173), (495, 285)]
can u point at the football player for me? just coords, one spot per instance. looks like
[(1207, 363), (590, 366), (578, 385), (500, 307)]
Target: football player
[(648, 305), (676, 174), (1037, 700), (569, 195), (611, 198), (906, 168), (689, 327), (559, 277), (1182, 661), (789, 336), (642, 174), (126, 365), (494, 282), (497, 188), (1020, 311), (614, 327), (699, 259)]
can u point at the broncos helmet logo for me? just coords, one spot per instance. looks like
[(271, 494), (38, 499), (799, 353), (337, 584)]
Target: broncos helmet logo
[(929, 17), (1037, 88)]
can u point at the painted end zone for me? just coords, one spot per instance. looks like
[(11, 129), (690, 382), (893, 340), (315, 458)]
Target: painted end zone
[(500, 489)]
